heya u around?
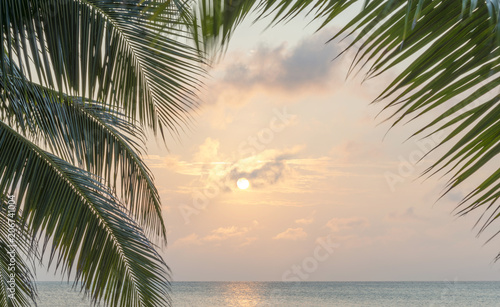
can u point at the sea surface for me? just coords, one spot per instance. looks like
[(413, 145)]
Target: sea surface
[(446, 293)]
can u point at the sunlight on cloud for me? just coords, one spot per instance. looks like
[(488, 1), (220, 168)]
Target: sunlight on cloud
[(348, 224), (291, 234), (306, 221), (208, 151), (221, 234)]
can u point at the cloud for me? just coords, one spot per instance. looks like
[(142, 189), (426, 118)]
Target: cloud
[(284, 69), (408, 215), (220, 117), (291, 234), (210, 167), (306, 221), (220, 234), (224, 233), (208, 151), (191, 239), (262, 170), (347, 224), (304, 65), (263, 175), (248, 241), (170, 162)]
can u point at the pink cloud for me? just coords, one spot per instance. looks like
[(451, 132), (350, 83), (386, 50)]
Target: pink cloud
[(291, 234), (348, 224)]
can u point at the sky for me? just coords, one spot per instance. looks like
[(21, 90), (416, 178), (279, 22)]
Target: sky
[(333, 196)]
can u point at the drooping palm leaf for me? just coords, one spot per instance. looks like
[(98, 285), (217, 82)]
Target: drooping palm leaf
[(90, 231), (99, 140), (453, 81), (213, 22), (105, 50)]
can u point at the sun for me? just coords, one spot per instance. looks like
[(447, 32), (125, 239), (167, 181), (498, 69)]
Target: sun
[(243, 183)]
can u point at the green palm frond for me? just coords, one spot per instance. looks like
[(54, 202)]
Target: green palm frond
[(99, 140), (105, 50), (451, 52), (453, 56), (90, 231), (212, 23), (15, 243)]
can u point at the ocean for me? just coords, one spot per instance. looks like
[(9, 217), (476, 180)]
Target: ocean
[(373, 294)]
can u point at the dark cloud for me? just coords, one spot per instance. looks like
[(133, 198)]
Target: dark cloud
[(308, 64), (265, 174)]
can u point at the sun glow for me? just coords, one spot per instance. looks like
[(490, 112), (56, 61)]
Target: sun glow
[(243, 183)]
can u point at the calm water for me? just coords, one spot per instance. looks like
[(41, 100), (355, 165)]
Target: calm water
[(55, 294)]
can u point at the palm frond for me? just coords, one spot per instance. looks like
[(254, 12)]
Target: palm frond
[(99, 140), (212, 23), (105, 50), (450, 51), (90, 231), (453, 80)]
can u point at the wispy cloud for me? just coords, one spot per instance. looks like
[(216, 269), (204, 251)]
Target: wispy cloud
[(208, 151), (306, 221), (406, 216), (264, 173), (347, 224), (291, 234), (224, 233), (220, 234), (191, 239)]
